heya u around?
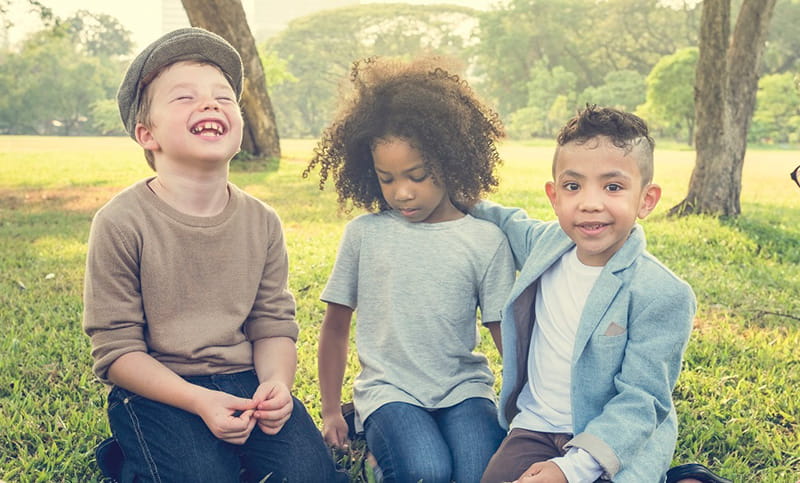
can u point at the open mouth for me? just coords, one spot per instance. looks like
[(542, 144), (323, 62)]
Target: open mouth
[(208, 128)]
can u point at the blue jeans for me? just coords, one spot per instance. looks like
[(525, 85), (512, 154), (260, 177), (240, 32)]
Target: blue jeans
[(434, 445), (163, 443)]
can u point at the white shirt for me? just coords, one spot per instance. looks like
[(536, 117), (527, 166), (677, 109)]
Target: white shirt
[(544, 402)]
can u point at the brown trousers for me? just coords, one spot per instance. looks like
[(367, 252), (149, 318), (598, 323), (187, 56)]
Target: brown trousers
[(520, 449)]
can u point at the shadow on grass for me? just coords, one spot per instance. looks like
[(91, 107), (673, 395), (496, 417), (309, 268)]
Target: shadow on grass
[(774, 233)]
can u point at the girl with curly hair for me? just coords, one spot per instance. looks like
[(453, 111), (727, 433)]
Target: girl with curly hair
[(413, 145)]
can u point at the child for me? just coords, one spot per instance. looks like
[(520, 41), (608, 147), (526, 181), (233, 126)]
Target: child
[(186, 298), (415, 146), (595, 327)]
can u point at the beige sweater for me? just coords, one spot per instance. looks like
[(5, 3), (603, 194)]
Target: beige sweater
[(193, 292)]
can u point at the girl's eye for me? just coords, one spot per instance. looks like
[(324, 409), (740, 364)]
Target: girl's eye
[(571, 186), (419, 179), (384, 181), (224, 99)]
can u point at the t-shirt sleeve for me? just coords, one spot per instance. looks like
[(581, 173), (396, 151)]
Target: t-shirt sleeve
[(342, 286), (497, 282)]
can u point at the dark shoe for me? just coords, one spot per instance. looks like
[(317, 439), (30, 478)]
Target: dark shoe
[(108, 455), (696, 471)]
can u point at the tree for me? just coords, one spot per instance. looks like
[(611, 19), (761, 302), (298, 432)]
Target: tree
[(319, 49), (777, 116), (51, 84), (551, 99), (670, 92), (623, 89), (586, 37), (725, 95), (227, 19)]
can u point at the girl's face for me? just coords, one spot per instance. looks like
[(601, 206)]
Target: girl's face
[(407, 185)]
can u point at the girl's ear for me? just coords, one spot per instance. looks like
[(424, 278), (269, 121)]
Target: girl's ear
[(650, 196), (145, 137)]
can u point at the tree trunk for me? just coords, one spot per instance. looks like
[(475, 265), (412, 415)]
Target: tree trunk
[(227, 19), (726, 83)]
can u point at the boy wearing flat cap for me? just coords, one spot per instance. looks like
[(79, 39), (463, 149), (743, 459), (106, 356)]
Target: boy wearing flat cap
[(186, 299)]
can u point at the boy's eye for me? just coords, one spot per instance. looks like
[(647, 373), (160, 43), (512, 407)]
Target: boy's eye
[(614, 187), (571, 186), (225, 99)]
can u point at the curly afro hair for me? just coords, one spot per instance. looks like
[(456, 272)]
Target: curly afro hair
[(422, 102)]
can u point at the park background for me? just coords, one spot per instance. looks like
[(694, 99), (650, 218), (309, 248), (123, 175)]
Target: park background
[(62, 155)]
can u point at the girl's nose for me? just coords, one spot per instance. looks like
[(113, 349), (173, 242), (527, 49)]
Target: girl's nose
[(404, 192)]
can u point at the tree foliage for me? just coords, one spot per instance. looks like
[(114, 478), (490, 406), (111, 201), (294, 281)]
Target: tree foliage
[(670, 92), (53, 81), (319, 49), (777, 116), (589, 39)]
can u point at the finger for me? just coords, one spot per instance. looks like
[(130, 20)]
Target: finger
[(273, 402)]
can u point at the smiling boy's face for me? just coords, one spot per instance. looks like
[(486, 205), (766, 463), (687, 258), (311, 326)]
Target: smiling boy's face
[(194, 116), (597, 194)]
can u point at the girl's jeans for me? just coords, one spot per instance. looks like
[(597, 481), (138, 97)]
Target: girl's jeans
[(164, 443), (434, 445)]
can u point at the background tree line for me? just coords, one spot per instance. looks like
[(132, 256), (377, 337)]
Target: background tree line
[(535, 60)]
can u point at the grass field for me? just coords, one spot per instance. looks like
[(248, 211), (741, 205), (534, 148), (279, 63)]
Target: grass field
[(737, 398)]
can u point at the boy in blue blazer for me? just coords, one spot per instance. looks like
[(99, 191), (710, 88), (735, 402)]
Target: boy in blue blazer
[(595, 328)]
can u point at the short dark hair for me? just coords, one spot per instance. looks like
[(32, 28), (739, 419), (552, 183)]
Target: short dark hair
[(420, 101), (625, 130)]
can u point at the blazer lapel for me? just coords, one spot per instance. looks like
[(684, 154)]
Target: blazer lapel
[(600, 299)]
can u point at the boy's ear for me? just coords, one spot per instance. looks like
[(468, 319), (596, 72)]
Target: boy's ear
[(650, 196), (550, 190), (145, 138)]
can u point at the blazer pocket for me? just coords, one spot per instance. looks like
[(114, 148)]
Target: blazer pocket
[(614, 329)]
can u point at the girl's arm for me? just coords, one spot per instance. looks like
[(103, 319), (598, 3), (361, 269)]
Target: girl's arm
[(494, 329), (334, 341)]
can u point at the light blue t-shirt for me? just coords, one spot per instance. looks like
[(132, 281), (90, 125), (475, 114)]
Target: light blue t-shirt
[(416, 288)]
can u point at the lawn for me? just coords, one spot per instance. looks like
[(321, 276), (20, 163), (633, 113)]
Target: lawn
[(737, 397)]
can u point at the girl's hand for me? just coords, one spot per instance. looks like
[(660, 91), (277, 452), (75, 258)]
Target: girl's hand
[(542, 472), (228, 417), (334, 430), (273, 406)]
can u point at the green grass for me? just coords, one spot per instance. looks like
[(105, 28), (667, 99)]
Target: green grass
[(737, 398)]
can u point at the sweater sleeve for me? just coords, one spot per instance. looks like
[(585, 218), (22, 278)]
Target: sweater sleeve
[(273, 312), (113, 316)]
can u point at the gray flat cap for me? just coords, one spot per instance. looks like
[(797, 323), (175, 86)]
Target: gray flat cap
[(190, 43)]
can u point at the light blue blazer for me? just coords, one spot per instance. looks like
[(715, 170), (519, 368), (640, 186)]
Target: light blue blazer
[(628, 348)]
